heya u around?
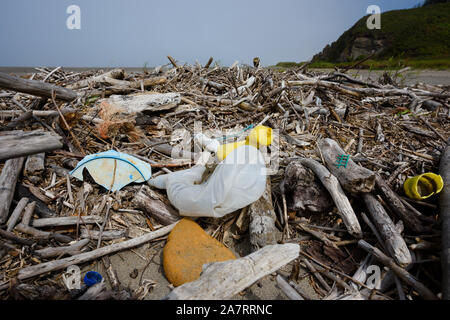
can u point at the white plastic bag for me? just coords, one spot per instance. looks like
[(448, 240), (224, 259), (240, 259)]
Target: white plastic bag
[(237, 181)]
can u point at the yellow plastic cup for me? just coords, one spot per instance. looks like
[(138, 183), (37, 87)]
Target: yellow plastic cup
[(423, 186), (258, 136)]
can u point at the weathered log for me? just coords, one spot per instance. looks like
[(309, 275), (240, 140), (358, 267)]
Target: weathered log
[(57, 251), (15, 215), (340, 199), (37, 88), (155, 205), (262, 221), (18, 143), (42, 268), (303, 190), (444, 208), (144, 102), (66, 221), (222, 280), (400, 272), (394, 202), (393, 241), (8, 179), (352, 177), (92, 81)]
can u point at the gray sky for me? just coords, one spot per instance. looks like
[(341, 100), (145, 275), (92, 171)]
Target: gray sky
[(134, 32)]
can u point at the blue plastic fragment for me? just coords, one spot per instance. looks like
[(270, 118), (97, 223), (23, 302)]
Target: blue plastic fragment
[(92, 277)]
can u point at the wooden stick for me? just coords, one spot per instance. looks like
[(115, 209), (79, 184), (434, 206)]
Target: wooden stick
[(34, 87), (42, 268), (8, 179), (65, 221), (444, 203), (103, 235), (340, 199), (11, 236), (28, 214), (208, 63), (42, 234), (57, 251), (400, 272), (12, 221), (395, 203), (172, 61), (316, 273), (393, 241), (290, 292)]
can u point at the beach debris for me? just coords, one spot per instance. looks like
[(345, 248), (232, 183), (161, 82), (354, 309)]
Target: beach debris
[(423, 186), (187, 249), (222, 280), (113, 170)]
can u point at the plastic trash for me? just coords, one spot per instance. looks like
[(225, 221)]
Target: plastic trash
[(113, 170), (237, 181), (258, 136), (423, 186), (92, 277)]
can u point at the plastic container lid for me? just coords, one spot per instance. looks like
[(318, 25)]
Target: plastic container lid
[(92, 278)]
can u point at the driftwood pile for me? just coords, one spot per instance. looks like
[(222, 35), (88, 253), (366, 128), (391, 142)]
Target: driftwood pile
[(347, 223)]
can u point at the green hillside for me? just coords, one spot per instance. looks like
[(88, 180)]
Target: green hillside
[(419, 37)]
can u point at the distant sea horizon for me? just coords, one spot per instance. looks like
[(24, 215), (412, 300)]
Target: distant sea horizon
[(29, 70)]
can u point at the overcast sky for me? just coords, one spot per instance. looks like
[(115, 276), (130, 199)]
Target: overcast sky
[(131, 33)]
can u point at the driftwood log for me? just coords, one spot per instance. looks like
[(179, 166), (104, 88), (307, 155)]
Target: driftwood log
[(92, 81), (45, 267), (155, 205), (8, 179), (353, 178), (340, 199), (303, 190), (66, 221), (18, 143), (222, 280), (262, 221), (393, 241), (400, 272), (37, 88), (409, 218), (15, 215), (444, 204), (144, 102)]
